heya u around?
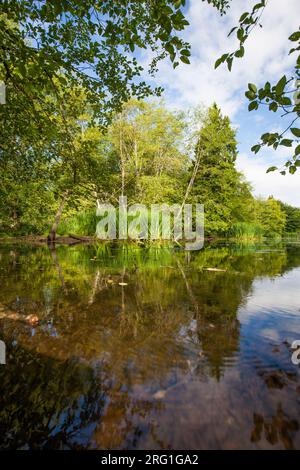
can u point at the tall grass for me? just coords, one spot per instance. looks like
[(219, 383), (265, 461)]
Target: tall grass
[(245, 230), (82, 223), (85, 223)]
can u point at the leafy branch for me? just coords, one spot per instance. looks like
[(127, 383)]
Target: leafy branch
[(279, 97)]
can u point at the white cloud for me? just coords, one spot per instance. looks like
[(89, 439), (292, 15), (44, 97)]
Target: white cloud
[(258, 118), (285, 188), (266, 58), (266, 55)]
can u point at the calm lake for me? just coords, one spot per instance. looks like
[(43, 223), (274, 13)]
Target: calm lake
[(130, 348)]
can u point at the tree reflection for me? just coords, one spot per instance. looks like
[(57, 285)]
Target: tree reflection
[(278, 428), (60, 405), (119, 328)]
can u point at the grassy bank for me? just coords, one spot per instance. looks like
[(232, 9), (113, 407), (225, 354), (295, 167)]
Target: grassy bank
[(83, 224)]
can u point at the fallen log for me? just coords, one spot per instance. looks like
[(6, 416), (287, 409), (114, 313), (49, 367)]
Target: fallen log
[(76, 237)]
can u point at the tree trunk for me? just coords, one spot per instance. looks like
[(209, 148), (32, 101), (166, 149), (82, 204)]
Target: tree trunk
[(122, 163), (52, 235), (59, 270), (190, 185)]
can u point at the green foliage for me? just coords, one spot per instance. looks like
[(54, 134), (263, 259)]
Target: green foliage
[(146, 146), (292, 218), (270, 216), (48, 47), (83, 223), (140, 154), (26, 204), (144, 155), (283, 96), (221, 5), (218, 185), (159, 189), (95, 43), (246, 230)]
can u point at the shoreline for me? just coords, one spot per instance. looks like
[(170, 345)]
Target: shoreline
[(42, 240), (72, 240)]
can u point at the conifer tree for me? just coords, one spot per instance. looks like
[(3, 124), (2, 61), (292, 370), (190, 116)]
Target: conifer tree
[(218, 185)]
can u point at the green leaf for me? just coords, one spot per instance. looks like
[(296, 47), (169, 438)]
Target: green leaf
[(22, 69), (267, 87), (240, 34), (258, 6), (286, 142), (231, 31), (292, 169), (221, 60), (253, 105), (243, 17), (273, 106), (255, 148), (229, 63), (184, 59), (240, 52), (285, 101), (169, 48), (281, 85), (261, 94), (295, 36), (295, 131), (250, 95), (185, 52), (272, 168), (252, 87)]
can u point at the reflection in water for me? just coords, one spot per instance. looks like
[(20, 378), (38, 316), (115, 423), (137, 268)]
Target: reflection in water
[(126, 347), (278, 429)]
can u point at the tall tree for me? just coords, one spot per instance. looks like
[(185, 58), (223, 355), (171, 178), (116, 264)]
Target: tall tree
[(218, 185), (292, 217), (270, 216), (147, 143)]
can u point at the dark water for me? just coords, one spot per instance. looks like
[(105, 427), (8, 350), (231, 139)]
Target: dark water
[(178, 357)]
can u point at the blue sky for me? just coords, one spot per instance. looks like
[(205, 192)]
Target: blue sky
[(266, 58)]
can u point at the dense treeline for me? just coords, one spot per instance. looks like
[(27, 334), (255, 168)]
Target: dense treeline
[(75, 128), (148, 153)]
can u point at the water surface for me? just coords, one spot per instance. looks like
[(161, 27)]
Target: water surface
[(150, 348)]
